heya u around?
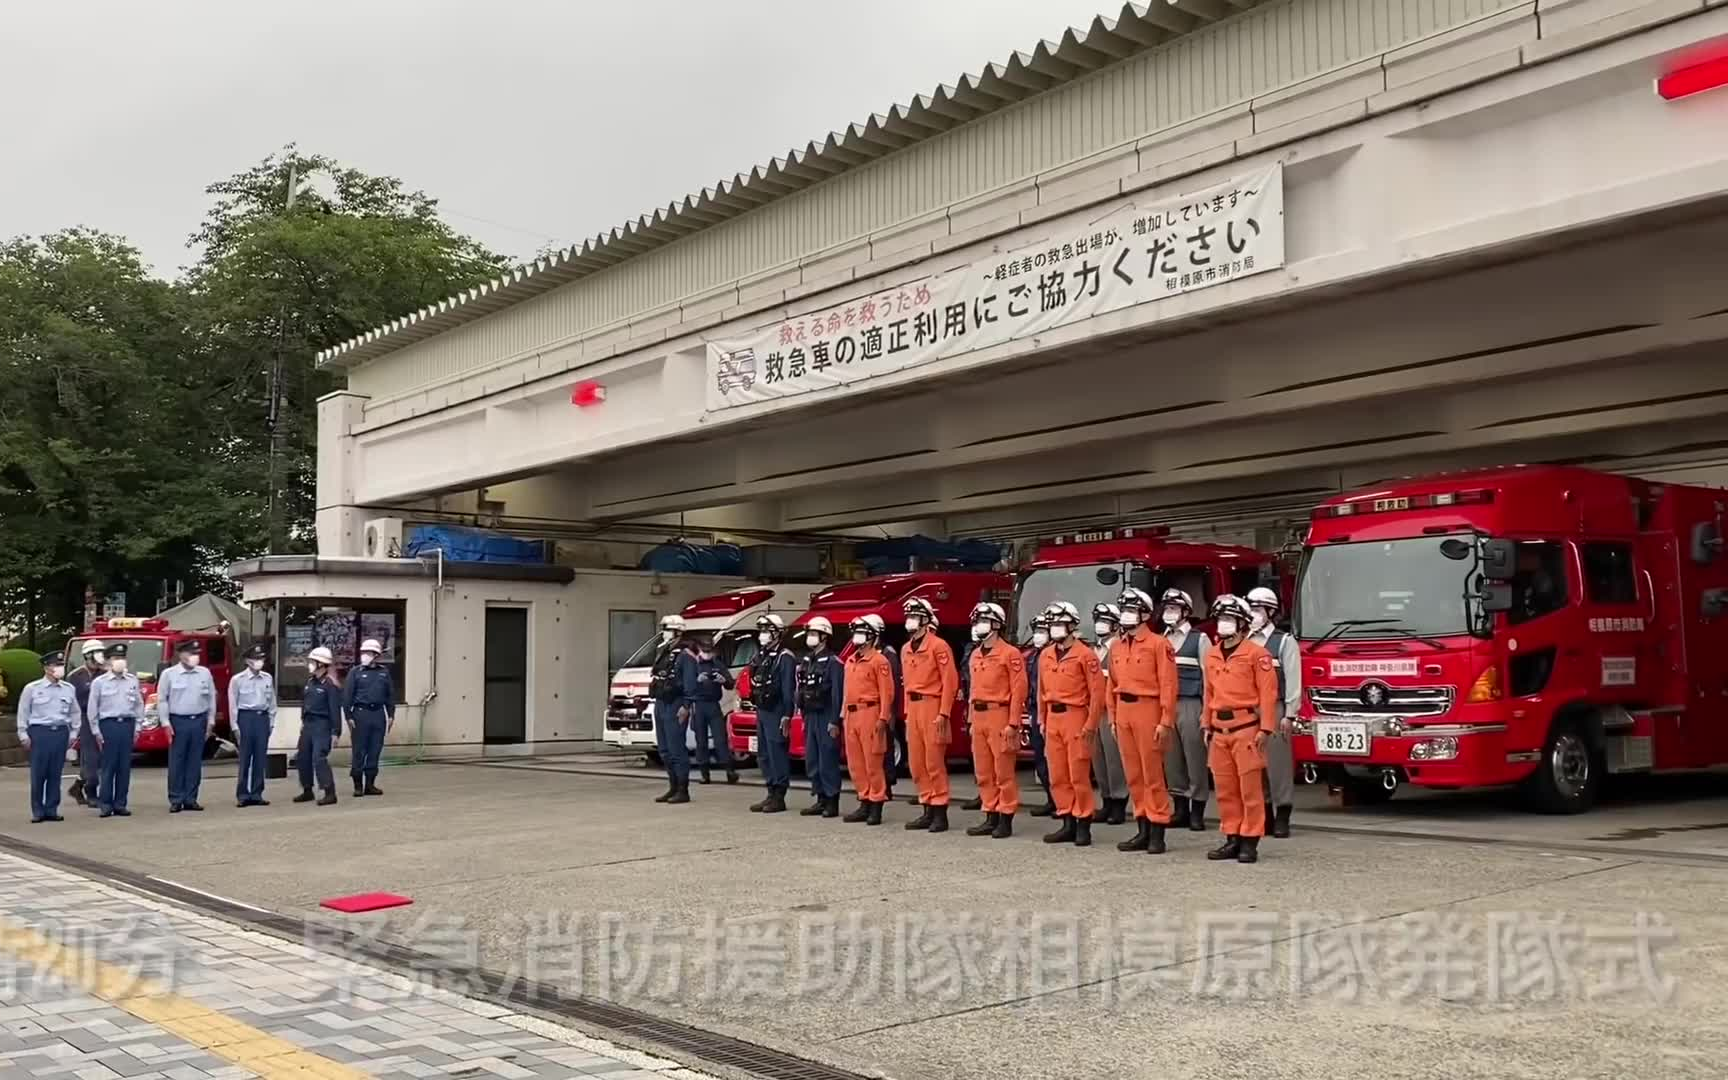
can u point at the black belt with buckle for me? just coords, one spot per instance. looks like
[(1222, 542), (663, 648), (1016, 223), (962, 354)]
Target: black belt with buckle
[(985, 706), (1132, 699), (920, 697), (856, 705), (1057, 706), (1240, 727)]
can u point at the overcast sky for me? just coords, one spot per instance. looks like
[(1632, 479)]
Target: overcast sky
[(534, 122)]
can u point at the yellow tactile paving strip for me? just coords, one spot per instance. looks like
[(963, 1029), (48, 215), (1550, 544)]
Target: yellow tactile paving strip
[(207, 1029)]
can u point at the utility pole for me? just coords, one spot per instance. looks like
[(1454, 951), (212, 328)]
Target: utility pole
[(273, 414)]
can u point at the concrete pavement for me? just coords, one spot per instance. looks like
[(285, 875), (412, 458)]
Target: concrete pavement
[(1443, 937)]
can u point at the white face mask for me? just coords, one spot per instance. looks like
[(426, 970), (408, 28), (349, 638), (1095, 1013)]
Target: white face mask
[(813, 639), (189, 662), (1103, 629), (914, 624), (255, 665), (1172, 616), (1040, 639), (667, 636), (94, 660), (706, 654), (55, 671), (1130, 619), (764, 639), (981, 630), (860, 638), (1227, 628), (118, 667), (1059, 632), (368, 658), (1260, 620)]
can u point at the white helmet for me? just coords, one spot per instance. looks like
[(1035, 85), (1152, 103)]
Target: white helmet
[(370, 645), (869, 625), (1234, 606), (1179, 598), (819, 625), (1106, 613), (1063, 611), (772, 623), (92, 646), (1135, 598), (875, 622), (991, 613), (674, 623), (1263, 597), (920, 607), (320, 655)]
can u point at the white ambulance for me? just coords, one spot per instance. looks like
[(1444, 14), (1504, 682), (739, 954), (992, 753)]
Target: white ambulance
[(727, 619)]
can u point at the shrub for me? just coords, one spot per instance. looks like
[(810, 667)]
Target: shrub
[(18, 668)]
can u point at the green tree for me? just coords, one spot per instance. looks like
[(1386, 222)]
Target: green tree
[(353, 251)]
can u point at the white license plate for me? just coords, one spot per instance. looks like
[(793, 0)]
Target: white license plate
[(750, 744), (1341, 737)]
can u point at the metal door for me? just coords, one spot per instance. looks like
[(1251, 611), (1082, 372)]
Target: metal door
[(506, 716)]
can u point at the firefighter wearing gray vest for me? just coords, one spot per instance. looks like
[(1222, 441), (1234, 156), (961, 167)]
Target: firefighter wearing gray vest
[(1287, 660), (1185, 757), (1106, 752)]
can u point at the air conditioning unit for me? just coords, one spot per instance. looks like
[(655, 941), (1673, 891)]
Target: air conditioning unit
[(384, 538)]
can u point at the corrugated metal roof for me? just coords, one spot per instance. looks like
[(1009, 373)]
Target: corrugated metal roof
[(1052, 63)]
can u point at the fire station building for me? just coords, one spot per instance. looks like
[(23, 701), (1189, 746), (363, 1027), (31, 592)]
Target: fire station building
[(1199, 263)]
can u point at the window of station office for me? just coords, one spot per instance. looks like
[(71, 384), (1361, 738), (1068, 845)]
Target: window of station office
[(339, 625)]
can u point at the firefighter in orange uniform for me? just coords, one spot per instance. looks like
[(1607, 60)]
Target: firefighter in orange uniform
[(998, 698), (1143, 694), (867, 711), (1071, 693), (1240, 717), (931, 682)]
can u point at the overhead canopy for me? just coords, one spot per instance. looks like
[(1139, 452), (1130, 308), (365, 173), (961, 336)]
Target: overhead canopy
[(207, 612)]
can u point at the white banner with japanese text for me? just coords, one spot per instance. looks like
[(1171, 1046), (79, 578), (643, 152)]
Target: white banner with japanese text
[(1137, 253)]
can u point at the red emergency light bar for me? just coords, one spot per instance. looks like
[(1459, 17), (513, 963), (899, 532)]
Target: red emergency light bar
[(1391, 503), (587, 393), (108, 626), (1137, 532), (1694, 79), (727, 604)]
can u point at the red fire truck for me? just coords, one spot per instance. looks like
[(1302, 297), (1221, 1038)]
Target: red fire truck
[(151, 645), (1532, 625), (953, 593)]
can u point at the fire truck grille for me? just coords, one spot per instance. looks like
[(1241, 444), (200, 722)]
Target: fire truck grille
[(1391, 701)]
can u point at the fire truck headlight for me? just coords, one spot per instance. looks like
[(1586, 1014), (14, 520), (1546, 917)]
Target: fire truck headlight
[(1443, 749)]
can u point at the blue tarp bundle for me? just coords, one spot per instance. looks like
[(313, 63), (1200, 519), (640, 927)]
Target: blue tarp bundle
[(895, 556), (726, 560), (474, 545)]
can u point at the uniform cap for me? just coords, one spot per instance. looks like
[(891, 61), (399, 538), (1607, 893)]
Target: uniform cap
[(256, 652), (819, 625), (189, 646), (320, 655), (371, 645), (117, 651), (93, 645), (50, 659)]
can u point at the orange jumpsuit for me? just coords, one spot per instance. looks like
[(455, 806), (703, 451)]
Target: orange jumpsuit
[(932, 682), (866, 715), (1241, 705), (998, 702), (1071, 694), (1143, 708)]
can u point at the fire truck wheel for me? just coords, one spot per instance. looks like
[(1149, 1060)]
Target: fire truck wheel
[(1569, 776)]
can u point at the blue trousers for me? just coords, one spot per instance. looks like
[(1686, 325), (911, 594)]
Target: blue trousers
[(47, 764), (252, 735), (821, 756), (710, 725), (116, 779), (368, 744), (775, 750), (312, 753), (185, 759), (669, 736)]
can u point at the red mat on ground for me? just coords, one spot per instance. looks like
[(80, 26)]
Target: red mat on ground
[(371, 901)]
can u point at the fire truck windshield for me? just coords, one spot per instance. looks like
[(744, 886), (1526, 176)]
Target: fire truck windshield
[(1386, 588), (143, 655), (1082, 586)]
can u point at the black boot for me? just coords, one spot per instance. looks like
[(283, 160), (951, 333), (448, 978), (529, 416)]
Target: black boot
[(973, 804), (1118, 812), (1197, 815), (815, 808), (776, 803), (858, 816), (832, 807), (1047, 810), (359, 787), (1155, 846), (875, 814), (76, 793), (731, 775), (914, 799), (758, 807), (705, 777), (1064, 835), (671, 790), (1281, 822), (922, 821), (1229, 849), (1179, 819), (1250, 851), (329, 798), (938, 819), (682, 795), (987, 827), (1102, 815), (1004, 827), (1140, 840), (1271, 820), (1082, 833), (305, 795)]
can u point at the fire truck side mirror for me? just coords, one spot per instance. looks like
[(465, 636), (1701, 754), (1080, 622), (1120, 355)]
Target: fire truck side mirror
[(1499, 560), (1714, 603), (1495, 596), (1706, 542)]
